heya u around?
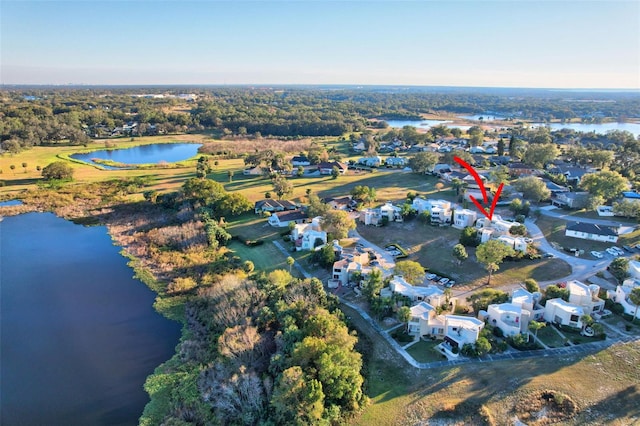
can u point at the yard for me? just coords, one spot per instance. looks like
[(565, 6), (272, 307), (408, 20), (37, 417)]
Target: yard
[(432, 247), (425, 351), (549, 337)]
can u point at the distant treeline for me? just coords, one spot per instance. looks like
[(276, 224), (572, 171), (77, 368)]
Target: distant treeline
[(31, 116)]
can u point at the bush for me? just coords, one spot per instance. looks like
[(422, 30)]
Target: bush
[(497, 331), (254, 243)]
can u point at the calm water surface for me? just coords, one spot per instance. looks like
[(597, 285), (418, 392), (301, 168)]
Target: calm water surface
[(144, 154), (78, 333)]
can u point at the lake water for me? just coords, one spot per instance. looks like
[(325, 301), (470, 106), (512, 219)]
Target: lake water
[(601, 128), (144, 154), (425, 124), (78, 335), (485, 117), (10, 203)]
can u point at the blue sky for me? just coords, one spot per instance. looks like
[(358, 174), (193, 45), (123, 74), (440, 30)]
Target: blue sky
[(566, 44)]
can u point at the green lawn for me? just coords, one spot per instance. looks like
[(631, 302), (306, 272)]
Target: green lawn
[(425, 351), (266, 257), (550, 338)]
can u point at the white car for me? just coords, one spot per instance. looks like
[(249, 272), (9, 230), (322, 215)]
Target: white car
[(612, 251), (431, 276), (443, 281), (618, 250), (596, 254)]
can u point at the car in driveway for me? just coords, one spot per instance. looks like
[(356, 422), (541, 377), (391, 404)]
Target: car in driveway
[(627, 248), (431, 276), (443, 281), (618, 249), (597, 254), (548, 255)]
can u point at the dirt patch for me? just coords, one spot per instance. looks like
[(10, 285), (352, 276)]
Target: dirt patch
[(545, 407)]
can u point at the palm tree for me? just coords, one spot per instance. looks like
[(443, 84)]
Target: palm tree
[(634, 297), (290, 262), (535, 326)]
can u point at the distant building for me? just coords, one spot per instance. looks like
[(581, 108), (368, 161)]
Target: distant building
[(591, 231)]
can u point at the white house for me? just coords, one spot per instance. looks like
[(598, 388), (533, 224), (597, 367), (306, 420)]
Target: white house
[(463, 218), (454, 329), (343, 271), (560, 312), (395, 162), (370, 161), (300, 160), (496, 228), (339, 203), (621, 296), (431, 294), (585, 296), (516, 243), (282, 219), (393, 213), (591, 231), (634, 269), (370, 217), (528, 302), (308, 236), (422, 315), (440, 210), (507, 317)]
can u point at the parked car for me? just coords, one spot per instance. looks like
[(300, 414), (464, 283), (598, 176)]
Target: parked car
[(627, 248), (431, 276), (618, 249), (548, 255), (612, 251), (450, 284), (443, 281), (597, 254), (528, 240)]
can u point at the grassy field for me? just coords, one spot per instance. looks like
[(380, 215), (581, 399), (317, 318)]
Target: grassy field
[(550, 338), (432, 247)]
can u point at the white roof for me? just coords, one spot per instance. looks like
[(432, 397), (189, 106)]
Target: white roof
[(566, 306), (463, 321), (421, 310), (521, 296), (507, 307), (577, 288)]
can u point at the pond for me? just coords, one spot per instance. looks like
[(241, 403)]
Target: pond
[(425, 124), (10, 203), (143, 154), (78, 335)]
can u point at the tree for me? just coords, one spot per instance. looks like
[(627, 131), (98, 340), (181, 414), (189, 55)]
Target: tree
[(373, 285), (532, 188), (411, 271), (491, 254), (316, 206), (335, 172), (24, 166), (619, 268), (606, 184), (233, 204), (150, 195), (364, 193), (483, 346), (230, 175), (634, 298), (499, 175), (536, 325), (586, 321), (325, 256), (203, 167), (423, 162), (12, 167), (337, 224), (404, 315), (481, 300), (57, 170), (460, 253), (531, 285), (469, 237), (554, 292), (296, 399), (539, 155), (300, 171), (290, 262), (281, 186), (626, 208), (457, 185), (518, 230), (248, 266), (501, 147)]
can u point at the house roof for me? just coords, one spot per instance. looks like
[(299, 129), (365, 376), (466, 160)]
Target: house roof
[(275, 203), (566, 306), (591, 228), (421, 310), (520, 166), (554, 187), (326, 165), (291, 215), (299, 158), (631, 194)]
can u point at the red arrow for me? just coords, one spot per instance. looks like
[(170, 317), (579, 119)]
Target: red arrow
[(480, 183)]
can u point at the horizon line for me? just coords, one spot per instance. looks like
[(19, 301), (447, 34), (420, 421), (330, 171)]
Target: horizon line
[(352, 85)]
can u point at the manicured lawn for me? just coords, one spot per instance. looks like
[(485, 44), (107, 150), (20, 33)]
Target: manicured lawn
[(425, 351), (266, 257), (549, 337)]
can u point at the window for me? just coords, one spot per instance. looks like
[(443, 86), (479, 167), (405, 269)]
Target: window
[(574, 318)]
